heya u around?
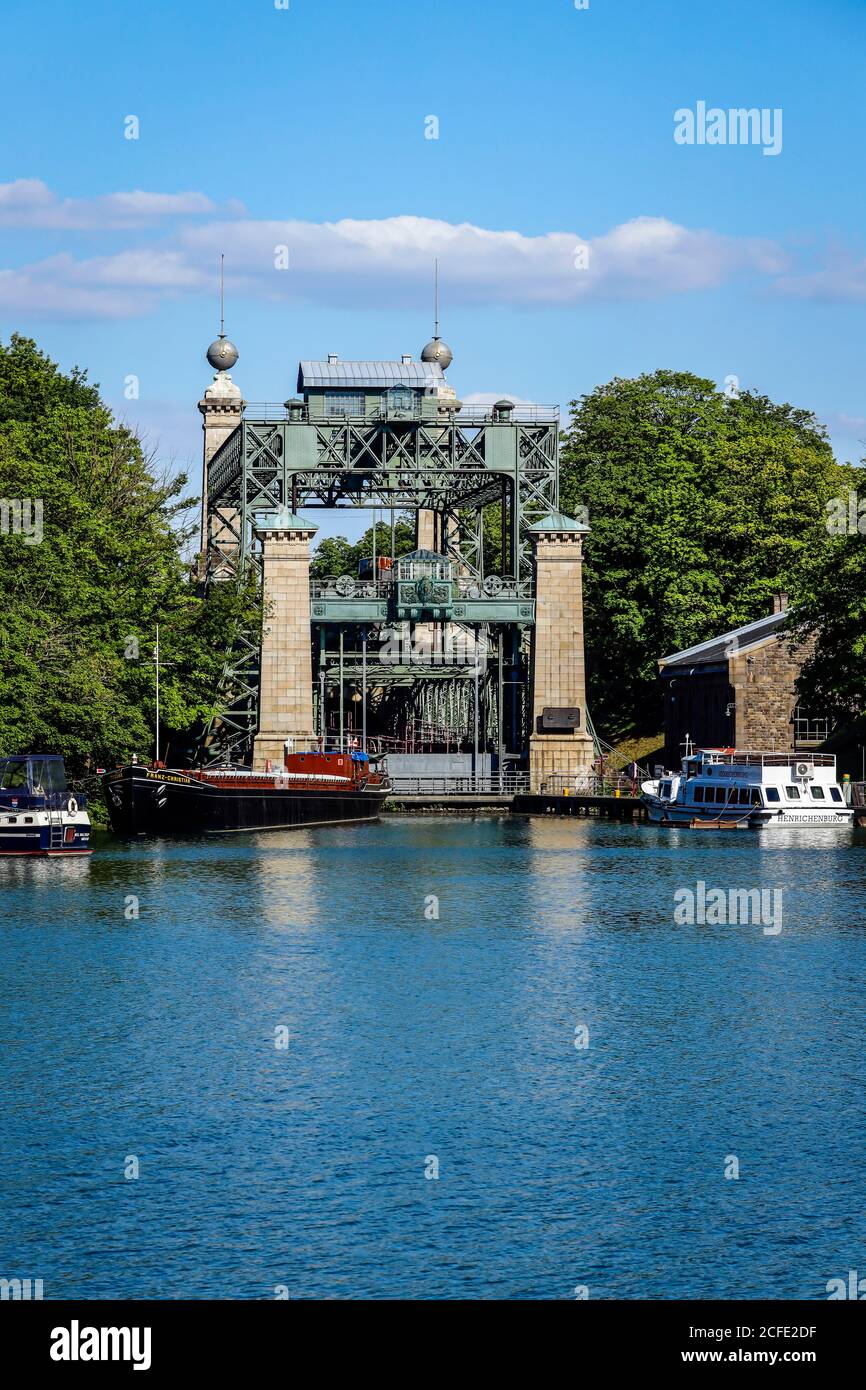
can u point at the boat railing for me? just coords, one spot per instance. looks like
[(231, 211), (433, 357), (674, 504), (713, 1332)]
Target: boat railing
[(31, 799), (746, 759)]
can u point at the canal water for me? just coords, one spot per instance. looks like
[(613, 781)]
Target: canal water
[(298, 1031)]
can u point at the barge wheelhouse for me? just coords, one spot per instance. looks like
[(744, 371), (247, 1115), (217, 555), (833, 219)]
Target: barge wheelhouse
[(39, 815)]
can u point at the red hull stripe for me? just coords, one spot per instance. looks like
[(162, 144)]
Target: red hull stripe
[(41, 853)]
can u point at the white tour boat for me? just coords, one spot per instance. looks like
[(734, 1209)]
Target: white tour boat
[(721, 786)]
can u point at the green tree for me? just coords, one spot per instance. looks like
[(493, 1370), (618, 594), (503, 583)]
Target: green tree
[(701, 507), (829, 607), (78, 609), (31, 385), (335, 555)]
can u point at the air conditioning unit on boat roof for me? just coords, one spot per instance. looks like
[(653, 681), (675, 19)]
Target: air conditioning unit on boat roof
[(803, 770)]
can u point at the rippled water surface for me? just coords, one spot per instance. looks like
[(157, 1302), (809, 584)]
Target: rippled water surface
[(413, 1039)]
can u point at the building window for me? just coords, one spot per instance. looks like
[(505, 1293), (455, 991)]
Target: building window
[(345, 403), (400, 398), (809, 730)]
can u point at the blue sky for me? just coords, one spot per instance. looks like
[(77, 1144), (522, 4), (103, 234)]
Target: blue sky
[(305, 126)]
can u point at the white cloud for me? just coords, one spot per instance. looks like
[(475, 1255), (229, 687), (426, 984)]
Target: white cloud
[(30, 204), (841, 280), (44, 291), (358, 261), (355, 262), (840, 422)]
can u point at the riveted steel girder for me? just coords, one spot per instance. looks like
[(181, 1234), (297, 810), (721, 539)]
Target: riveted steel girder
[(455, 469)]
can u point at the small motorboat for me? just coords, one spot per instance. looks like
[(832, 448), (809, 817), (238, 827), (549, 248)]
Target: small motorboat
[(39, 815)]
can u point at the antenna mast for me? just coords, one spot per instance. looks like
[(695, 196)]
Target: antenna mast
[(156, 663), (222, 294), (436, 294)]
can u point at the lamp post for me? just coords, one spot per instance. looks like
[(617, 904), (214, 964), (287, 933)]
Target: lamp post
[(156, 663), (364, 690)]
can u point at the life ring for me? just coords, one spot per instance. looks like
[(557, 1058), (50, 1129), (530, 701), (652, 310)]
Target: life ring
[(72, 806)]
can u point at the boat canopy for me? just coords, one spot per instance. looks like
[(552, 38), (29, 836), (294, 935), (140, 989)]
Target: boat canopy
[(36, 772)]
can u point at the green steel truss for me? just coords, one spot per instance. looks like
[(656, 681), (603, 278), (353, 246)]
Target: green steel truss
[(453, 468)]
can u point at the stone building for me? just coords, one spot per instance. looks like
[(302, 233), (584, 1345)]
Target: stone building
[(738, 691)]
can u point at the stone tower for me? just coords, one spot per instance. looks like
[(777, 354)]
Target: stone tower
[(221, 408), (559, 741), (286, 689)]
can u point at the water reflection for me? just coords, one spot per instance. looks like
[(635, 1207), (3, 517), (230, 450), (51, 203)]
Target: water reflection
[(415, 1032)]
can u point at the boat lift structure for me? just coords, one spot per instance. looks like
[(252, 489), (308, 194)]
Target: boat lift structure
[(475, 643)]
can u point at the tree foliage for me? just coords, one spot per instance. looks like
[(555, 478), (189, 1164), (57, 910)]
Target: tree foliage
[(78, 611), (829, 605), (334, 555), (701, 507)]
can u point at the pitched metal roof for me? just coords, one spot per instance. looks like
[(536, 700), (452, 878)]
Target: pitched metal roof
[(719, 648), (368, 374), (556, 521)]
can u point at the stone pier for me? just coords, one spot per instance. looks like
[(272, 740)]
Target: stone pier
[(559, 741), (286, 690), (426, 530)]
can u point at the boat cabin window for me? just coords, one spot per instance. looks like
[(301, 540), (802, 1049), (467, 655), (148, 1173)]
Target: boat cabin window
[(817, 793), (792, 793), (745, 796), (699, 793), (13, 774), (48, 776), (665, 789), (721, 794), (836, 794), (772, 793)]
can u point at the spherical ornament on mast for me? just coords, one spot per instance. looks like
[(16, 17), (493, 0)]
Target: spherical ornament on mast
[(222, 354), (437, 351)]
